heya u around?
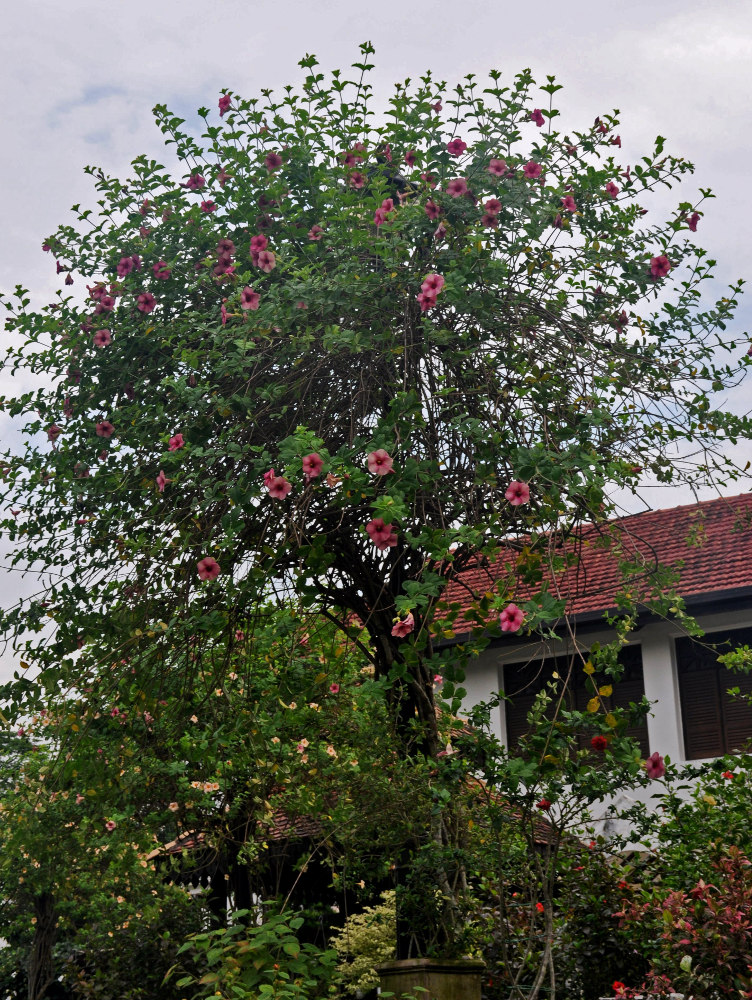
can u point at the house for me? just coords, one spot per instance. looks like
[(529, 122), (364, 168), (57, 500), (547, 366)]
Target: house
[(693, 717)]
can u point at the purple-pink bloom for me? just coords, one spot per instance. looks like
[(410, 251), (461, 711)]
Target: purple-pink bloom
[(279, 487), (315, 233), (511, 618), (410, 158), (692, 221), (273, 161), (426, 300), (161, 270), (223, 177), (102, 338), (259, 243), (195, 182), (53, 431), (432, 210), (357, 180), (104, 429), (660, 266), (125, 266), (498, 168), (208, 206), (536, 115), (611, 189), (161, 480), (532, 169), (404, 627), (176, 442), (457, 187), (249, 299), (492, 206), (379, 462), (517, 493), (655, 766), (433, 283), (266, 261), (313, 464), (568, 203), (456, 147), (269, 476), (208, 568), (224, 104), (146, 302)]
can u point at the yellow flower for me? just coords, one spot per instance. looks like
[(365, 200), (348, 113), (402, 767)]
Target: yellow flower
[(593, 705), (606, 691)]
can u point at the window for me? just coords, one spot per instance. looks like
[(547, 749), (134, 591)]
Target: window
[(523, 681), (713, 721)]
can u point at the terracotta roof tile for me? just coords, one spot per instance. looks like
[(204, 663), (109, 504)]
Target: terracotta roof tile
[(709, 543)]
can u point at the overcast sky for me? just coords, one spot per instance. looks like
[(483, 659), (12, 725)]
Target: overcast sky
[(78, 80)]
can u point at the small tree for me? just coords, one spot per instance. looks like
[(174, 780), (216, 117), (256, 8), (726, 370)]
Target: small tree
[(343, 359)]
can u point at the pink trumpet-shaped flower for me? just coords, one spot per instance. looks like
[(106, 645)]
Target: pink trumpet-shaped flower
[(497, 168), (269, 476), (660, 266), (432, 210), (457, 187), (357, 180), (273, 161), (536, 115), (53, 432), (379, 462), (161, 480), (517, 493), (259, 243), (611, 189), (224, 104), (195, 182), (161, 270), (146, 302), (655, 766), (456, 147), (433, 283), (175, 443), (531, 170), (249, 299), (315, 233), (511, 618), (104, 429), (267, 261), (692, 221), (404, 627), (492, 206), (208, 568), (208, 206), (102, 338), (568, 203), (279, 487), (313, 464)]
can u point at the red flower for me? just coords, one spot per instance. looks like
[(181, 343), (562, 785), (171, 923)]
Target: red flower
[(540, 907), (618, 988), (208, 207), (599, 743), (208, 568), (224, 104), (536, 115), (544, 804), (692, 221), (728, 775), (456, 147)]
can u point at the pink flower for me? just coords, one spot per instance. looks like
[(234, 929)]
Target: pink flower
[(279, 487), (334, 689), (611, 189), (67, 407), (208, 568), (437, 106), (440, 231), (53, 432), (432, 283), (223, 177), (208, 206), (438, 679), (313, 464), (259, 243), (536, 115), (692, 221), (315, 233), (224, 104), (161, 480), (403, 628), (616, 141), (106, 303), (382, 535), (532, 169), (489, 221), (79, 798), (511, 618), (125, 266), (426, 300), (457, 187), (492, 206), (266, 261), (102, 338), (357, 180), (517, 493), (432, 210), (497, 168), (161, 270), (146, 302), (249, 299), (195, 182), (273, 161), (540, 907), (660, 266), (104, 429), (175, 443), (428, 179), (568, 203), (379, 217), (654, 765), (269, 476), (110, 825), (456, 147), (379, 462), (410, 158)]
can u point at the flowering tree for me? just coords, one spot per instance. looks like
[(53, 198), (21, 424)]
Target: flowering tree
[(340, 359)]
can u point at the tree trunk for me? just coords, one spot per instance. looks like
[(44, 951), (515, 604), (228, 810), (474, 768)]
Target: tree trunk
[(41, 971)]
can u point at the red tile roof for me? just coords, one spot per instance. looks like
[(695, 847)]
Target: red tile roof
[(709, 543)]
